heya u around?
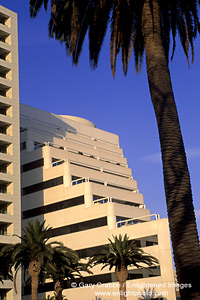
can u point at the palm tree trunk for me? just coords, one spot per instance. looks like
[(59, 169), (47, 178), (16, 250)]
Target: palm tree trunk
[(122, 275), (122, 290), (34, 269), (176, 175), (58, 287), (34, 287)]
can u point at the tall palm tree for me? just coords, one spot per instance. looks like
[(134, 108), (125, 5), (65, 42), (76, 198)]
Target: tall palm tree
[(65, 264), (139, 26), (121, 254), (32, 253)]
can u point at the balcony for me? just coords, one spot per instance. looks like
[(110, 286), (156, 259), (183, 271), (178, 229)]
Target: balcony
[(5, 109), (5, 54), (5, 147), (3, 229), (6, 186), (5, 37), (5, 128), (5, 167), (4, 208), (4, 19), (5, 72), (3, 188), (127, 222), (5, 91)]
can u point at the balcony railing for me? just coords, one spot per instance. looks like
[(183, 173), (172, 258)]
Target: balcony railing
[(5, 171), (3, 191), (136, 220), (4, 212), (80, 180), (4, 233), (58, 162), (117, 201), (102, 200)]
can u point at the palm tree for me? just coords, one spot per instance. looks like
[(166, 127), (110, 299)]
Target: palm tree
[(139, 26), (120, 254), (64, 265), (32, 253)]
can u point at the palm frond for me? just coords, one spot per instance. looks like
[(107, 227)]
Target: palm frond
[(71, 20), (97, 28), (35, 6), (122, 252)]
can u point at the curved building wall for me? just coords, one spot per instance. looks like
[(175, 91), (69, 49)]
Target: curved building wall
[(76, 178)]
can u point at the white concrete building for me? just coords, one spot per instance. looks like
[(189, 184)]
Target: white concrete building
[(75, 177), (10, 202)]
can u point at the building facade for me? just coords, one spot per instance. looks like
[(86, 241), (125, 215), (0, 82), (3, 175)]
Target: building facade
[(10, 202), (75, 177)]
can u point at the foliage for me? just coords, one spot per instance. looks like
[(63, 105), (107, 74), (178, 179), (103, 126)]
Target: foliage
[(122, 252), (33, 247), (65, 264), (6, 266), (71, 20), (135, 26), (54, 297), (150, 294)]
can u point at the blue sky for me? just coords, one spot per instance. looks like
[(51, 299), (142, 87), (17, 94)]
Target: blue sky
[(122, 105)]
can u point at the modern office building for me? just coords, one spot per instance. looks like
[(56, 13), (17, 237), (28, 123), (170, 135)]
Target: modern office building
[(10, 202), (75, 177)]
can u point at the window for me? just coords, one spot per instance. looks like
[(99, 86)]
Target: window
[(3, 229), (42, 185), (3, 19), (77, 227), (53, 207), (3, 188), (89, 252), (3, 111), (3, 168), (3, 36), (3, 149), (3, 129), (22, 146), (32, 165), (2, 295), (3, 208)]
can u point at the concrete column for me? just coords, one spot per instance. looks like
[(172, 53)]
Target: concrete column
[(29, 142), (67, 175), (111, 216), (88, 195), (47, 157)]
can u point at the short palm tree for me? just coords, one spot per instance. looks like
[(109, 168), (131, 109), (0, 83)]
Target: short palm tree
[(121, 254), (138, 27), (32, 253), (65, 264)]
